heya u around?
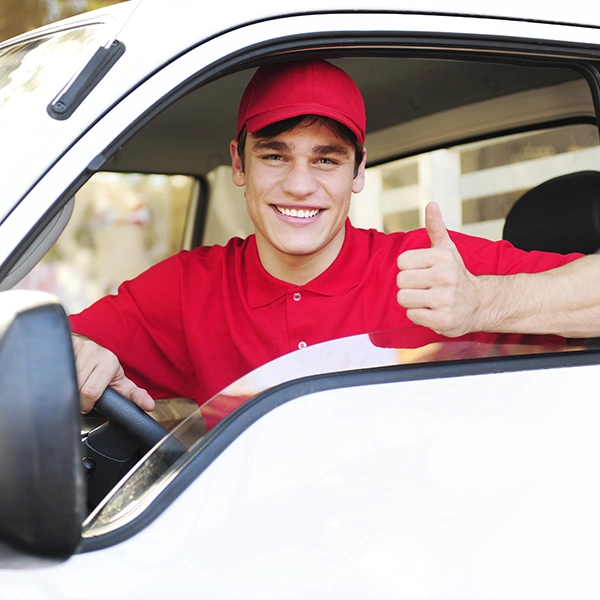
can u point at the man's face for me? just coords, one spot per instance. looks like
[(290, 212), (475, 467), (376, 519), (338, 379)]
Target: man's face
[(298, 190)]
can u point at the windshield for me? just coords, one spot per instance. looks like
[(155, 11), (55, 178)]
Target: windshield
[(35, 67), (32, 73), (382, 349)]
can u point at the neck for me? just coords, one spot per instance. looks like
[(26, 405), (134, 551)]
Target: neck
[(297, 269)]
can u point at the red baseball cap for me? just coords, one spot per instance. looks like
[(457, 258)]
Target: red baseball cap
[(307, 87)]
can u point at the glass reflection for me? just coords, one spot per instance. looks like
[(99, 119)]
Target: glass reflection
[(381, 349)]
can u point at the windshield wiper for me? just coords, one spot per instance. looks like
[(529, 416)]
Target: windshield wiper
[(63, 106), (75, 92)]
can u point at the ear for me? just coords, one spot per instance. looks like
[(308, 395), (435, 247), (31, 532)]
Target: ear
[(237, 171), (359, 181)]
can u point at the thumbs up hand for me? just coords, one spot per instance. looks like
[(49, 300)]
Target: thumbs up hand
[(434, 285)]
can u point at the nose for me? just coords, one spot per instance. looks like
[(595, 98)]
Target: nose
[(299, 180)]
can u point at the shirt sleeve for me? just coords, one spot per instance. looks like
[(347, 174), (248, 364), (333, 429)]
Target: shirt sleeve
[(484, 257), (143, 325)]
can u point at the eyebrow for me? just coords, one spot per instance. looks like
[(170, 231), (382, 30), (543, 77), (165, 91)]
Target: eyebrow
[(320, 150), (331, 149), (271, 145)]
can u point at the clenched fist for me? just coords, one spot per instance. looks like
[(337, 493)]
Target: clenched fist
[(97, 368)]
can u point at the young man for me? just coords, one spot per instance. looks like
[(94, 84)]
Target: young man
[(197, 321)]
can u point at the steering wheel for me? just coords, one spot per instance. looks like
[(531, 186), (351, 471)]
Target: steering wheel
[(148, 432)]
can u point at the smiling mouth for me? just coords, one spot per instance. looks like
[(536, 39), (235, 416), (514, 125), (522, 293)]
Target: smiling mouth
[(299, 213)]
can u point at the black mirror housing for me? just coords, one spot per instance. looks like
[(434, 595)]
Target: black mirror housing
[(42, 498)]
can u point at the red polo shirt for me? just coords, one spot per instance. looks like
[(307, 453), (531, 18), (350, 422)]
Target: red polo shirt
[(201, 319)]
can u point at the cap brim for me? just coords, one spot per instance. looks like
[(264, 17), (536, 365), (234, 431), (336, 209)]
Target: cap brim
[(267, 118)]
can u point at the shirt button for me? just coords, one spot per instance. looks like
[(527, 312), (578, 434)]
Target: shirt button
[(302, 345), (297, 296)]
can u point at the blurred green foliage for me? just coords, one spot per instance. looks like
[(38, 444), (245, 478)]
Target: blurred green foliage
[(18, 16)]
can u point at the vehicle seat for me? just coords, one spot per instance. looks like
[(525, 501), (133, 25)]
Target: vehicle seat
[(559, 215)]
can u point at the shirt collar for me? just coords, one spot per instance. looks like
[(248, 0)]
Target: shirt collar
[(342, 275)]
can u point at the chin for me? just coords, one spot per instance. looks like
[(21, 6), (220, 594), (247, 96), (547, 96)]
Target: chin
[(300, 250)]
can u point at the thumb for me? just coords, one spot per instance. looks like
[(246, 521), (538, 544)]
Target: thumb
[(132, 392), (436, 228)]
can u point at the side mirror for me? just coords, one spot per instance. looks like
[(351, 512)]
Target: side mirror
[(42, 498)]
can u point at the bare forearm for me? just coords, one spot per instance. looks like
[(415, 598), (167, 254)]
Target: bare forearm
[(439, 292), (564, 301)]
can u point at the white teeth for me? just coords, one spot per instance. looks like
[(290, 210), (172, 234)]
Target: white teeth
[(301, 214)]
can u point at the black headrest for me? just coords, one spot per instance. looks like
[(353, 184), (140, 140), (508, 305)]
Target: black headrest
[(559, 215)]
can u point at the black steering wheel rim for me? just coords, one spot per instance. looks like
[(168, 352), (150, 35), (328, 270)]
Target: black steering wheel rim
[(146, 430)]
